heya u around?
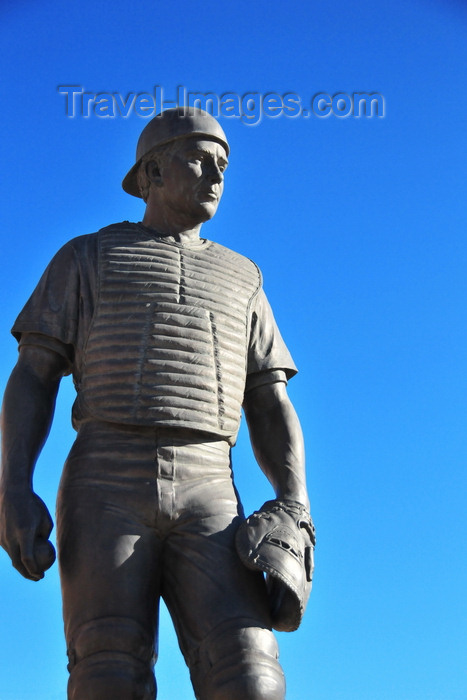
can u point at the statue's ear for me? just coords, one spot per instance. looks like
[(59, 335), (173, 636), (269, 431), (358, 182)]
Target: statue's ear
[(153, 173)]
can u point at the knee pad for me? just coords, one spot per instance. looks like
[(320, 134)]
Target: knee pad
[(111, 659), (238, 661)]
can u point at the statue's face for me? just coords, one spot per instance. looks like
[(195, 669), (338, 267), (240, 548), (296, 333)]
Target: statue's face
[(193, 179)]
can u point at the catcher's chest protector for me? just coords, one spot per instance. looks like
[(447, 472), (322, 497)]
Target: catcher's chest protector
[(168, 341)]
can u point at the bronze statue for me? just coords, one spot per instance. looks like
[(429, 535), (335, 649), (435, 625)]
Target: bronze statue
[(167, 335)]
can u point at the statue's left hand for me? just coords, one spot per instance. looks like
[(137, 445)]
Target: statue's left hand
[(25, 525), (279, 540)]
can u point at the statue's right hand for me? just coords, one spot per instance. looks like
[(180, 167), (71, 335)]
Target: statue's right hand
[(25, 526)]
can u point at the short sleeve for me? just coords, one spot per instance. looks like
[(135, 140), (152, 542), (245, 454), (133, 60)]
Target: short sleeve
[(267, 350), (53, 308)]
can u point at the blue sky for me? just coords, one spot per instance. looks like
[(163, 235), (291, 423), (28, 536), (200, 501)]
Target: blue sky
[(359, 227)]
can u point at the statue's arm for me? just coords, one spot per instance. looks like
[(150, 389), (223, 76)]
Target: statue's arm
[(27, 413), (277, 440)]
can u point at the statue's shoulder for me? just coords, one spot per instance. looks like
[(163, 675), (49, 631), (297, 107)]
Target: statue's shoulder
[(84, 248), (237, 260), (90, 240), (119, 228)]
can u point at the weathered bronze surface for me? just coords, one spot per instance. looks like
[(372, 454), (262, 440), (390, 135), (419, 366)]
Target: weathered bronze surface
[(167, 336)]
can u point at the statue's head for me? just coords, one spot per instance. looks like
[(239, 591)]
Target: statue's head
[(164, 131)]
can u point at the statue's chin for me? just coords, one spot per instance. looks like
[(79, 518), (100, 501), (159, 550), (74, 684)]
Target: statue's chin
[(209, 209)]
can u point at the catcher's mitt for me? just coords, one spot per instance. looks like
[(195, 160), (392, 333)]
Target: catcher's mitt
[(279, 540)]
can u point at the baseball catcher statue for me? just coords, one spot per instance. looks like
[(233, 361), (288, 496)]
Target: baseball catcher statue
[(167, 335)]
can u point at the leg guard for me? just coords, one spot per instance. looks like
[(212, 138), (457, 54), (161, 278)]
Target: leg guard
[(238, 663), (111, 658)]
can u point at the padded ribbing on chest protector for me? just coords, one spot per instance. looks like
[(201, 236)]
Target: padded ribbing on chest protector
[(168, 342)]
